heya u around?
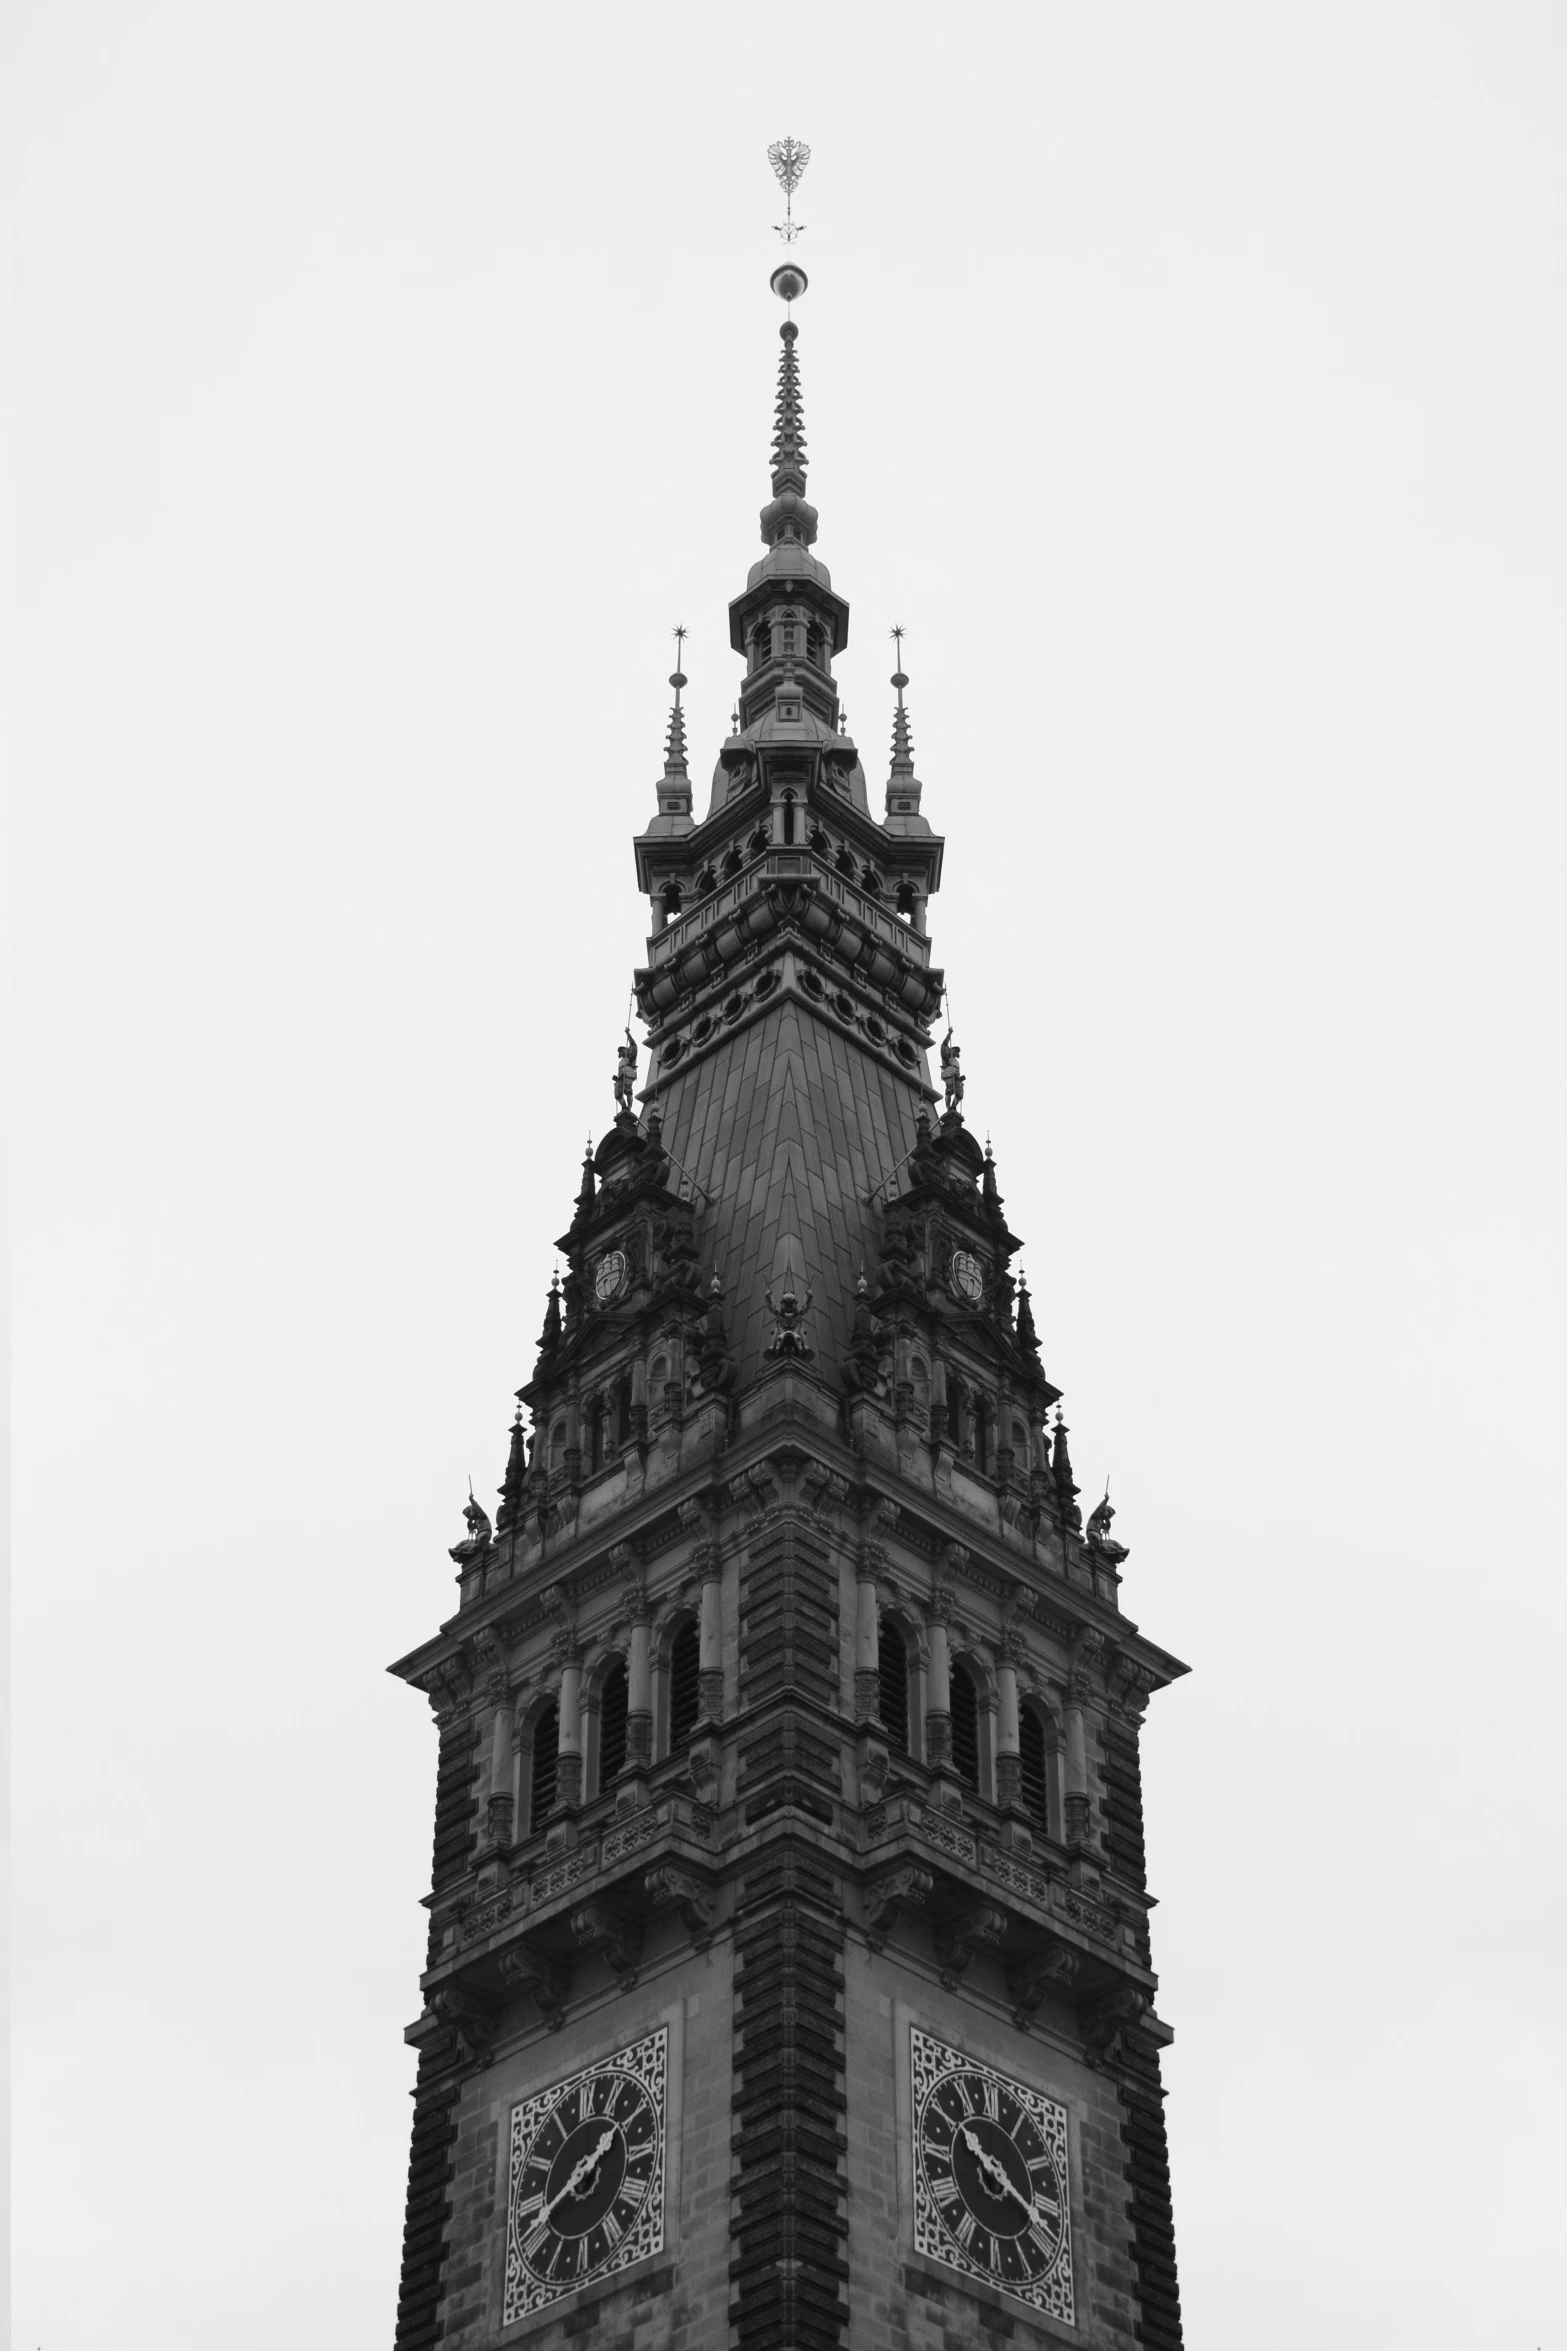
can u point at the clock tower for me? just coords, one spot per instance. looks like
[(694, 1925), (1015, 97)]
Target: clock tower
[(789, 1984)]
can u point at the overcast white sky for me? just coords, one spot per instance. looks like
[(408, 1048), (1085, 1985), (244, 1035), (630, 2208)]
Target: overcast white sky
[(1190, 382)]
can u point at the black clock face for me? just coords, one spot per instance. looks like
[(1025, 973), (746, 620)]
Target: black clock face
[(990, 2162), (587, 2178)]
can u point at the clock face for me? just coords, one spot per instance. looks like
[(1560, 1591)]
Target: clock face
[(968, 1277), (586, 2192), (609, 1277), (990, 2177)]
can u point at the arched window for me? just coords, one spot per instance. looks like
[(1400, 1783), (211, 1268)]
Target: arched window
[(965, 1726), (761, 646), (845, 861), (612, 1725), (685, 1688), (623, 1412), (892, 1666), (706, 880), (546, 1766), (732, 864), (954, 1412), (558, 1445), (919, 1381), (598, 1414), (981, 1433), (788, 819), (1035, 1774), (671, 900), (760, 841)]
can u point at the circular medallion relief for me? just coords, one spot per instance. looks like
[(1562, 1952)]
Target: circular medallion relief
[(609, 1276), (968, 1277)]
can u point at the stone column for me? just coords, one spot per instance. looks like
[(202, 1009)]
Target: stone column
[(568, 1785), (1009, 1761), (938, 1684), (710, 1656), (1078, 1692), (867, 1646), (502, 1804), (639, 1661)]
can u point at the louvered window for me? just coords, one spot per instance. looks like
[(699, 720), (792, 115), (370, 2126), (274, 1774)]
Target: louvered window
[(684, 1687), (546, 1766), (612, 1726), (1031, 1751), (892, 1664), (965, 1727)]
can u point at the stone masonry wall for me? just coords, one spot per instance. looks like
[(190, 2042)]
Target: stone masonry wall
[(900, 2302), (676, 2299)]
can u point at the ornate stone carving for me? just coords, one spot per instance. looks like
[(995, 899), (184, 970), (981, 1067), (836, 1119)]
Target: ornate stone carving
[(906, 1888), (639, 1831), (1050, 1968), (977, 1927), (671, 1888), (527, 1968), (470, 2020), (599, 1927), (1112, 2016)]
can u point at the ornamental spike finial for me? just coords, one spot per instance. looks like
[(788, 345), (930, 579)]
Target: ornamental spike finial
[(902, 739), (675, 748), (789, 158)]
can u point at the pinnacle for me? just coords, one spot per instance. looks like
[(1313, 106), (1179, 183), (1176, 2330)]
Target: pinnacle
[(789, 430)]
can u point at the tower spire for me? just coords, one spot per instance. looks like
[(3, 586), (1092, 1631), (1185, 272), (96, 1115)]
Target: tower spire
[(903, 786), (675, 749)]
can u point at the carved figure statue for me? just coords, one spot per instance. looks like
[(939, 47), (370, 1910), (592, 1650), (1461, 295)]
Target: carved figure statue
[(790, 1335), (952, 1078), (625, 1071), (478, 1522)]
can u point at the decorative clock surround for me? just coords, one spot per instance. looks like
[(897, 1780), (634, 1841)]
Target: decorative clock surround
[(585, 2193), (992, 2191)]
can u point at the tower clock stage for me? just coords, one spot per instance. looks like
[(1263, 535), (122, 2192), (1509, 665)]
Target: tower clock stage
[(788, 1983)]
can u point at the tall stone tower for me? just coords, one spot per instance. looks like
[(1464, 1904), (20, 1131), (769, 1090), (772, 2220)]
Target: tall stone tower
[(789, 1982)]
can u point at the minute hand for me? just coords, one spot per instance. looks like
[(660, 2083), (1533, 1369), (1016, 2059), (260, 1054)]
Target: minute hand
[(998, 2171)]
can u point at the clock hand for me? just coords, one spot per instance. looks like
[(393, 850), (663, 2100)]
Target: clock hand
[(998, 2171), (573, 2186)]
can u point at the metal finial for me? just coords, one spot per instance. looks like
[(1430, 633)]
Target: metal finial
[(789, 158)]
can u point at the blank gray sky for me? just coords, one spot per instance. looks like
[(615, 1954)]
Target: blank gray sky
[(1190, 382)]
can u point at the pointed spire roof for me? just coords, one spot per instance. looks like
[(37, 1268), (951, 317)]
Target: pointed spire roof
[(903, 786), (789, 418), (674, 786)]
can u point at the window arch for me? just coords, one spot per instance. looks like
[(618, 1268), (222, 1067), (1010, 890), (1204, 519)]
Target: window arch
[(954, 1412), (671, 900), (982, 1427), (558, 1445), (919, 1385), (965, 1725), (788, 820), (613, 1707), (1034, 1760), (545, 1765), (598, 1429), (685, 1686), (892, 1668)]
